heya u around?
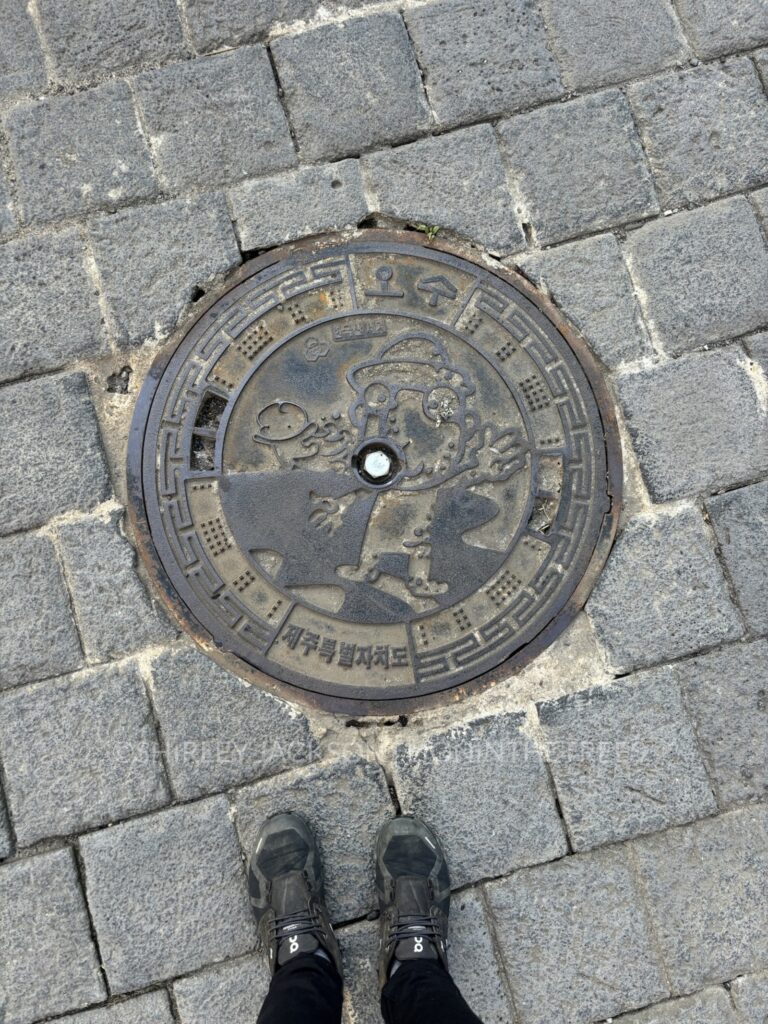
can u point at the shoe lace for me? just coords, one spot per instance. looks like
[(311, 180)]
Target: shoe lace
[(302, 922), (408, 925)]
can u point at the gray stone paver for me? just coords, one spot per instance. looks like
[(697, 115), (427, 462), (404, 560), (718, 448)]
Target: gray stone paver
[(52, 421), (232, 992), (698, 424), (605, 176), (575, 939), (219, 731), (707, 889), (712, 1006), (757, 347), (625, 760), (725, 692), (716, 28), (6, 839), (152, 1008), (7, 215), (662, 594), (112, 608), (346, 801), (78, 153), (49, 961), (167, 894), (740, 520), (78, 752), (750, 995), (482, 60), (22, 70), (455, 181), (351, 87), (439, 776)]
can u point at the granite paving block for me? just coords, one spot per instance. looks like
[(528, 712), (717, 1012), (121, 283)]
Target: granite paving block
[(359, 945), (705, 130), (231, 992), (113, 610), (90, 38), (52, 421), (78, 752), (37, 635), (575, 940), (599, 42), (346, 801), (697, 423), (591, 284), (579, 166), (717, 27), (306, 201), (7, 215), (50, 311), (352, 86), (151, 258), (152, 1008), (625, 760), (482, 60), (49, 961), (712, 1006), (750, 994), (757, 346), (760, 198), (6, 839), (455, 181), (22, 69), (218, 730), (662, 593), (167, 893), (78, 153), (725, 692), (491, 821), (707, 889), (740, 519), (703, 274), (215, 119)]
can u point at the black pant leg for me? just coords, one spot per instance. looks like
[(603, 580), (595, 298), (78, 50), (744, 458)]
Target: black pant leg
[(422, 992), (308, 990)]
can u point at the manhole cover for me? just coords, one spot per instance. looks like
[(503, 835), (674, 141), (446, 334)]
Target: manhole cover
[(374, 471)]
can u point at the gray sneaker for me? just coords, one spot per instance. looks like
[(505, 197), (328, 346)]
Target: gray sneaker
[(414, 893), (285, 884)]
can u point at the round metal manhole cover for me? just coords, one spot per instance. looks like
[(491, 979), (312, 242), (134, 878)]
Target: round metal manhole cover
[(373, 471)]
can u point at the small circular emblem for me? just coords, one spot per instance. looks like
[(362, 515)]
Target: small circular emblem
[(373, 471)]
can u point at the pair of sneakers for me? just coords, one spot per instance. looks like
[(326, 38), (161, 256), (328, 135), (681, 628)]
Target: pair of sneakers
[(285, 882)]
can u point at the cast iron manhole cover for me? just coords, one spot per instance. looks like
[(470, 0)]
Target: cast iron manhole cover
[(373, 471)]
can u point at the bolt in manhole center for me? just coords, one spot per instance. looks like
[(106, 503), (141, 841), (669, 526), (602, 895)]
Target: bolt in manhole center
[(373, 471)]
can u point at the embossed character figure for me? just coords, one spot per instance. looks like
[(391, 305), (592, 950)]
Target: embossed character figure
[(286, 890)]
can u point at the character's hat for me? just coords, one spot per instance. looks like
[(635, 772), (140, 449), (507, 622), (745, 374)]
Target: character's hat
[(418, 360)]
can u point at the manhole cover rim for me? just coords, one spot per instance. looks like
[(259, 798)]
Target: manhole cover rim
[(365, 706)]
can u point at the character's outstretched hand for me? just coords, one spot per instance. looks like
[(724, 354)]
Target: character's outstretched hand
[(499, 454)]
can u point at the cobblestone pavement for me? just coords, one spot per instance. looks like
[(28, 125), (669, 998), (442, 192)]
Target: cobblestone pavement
[(605, 810)]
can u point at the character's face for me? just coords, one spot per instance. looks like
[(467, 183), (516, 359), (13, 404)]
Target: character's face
[(430, 430)]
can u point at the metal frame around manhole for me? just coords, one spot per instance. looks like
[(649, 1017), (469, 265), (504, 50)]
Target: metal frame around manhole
[(363, 704)]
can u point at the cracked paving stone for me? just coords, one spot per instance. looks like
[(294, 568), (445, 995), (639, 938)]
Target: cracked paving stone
[(705, 131), (716, 27), (306, 201), (152, 258), (575, 939), (50, 313), (482, 60), (352, 86), (727, 697), (662, 594), (456, 181), (712, 1006), (591, 284), (6, 839), (697, 424), (231, 992), (89, 38), (37, 634), (346, 801), (624, 759), (93, 154), (167, 893), (703, 274), (22, 70), (219, 731), (607, 42), (605, 178), (750, 994), (49, 962), (196, 114), (740, 521), (52, 421), (152, 1008), (707, 889), (114, 613), (438, 778), (78, 752)]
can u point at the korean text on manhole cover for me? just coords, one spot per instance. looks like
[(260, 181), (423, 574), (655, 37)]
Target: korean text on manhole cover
[(374, 471)]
